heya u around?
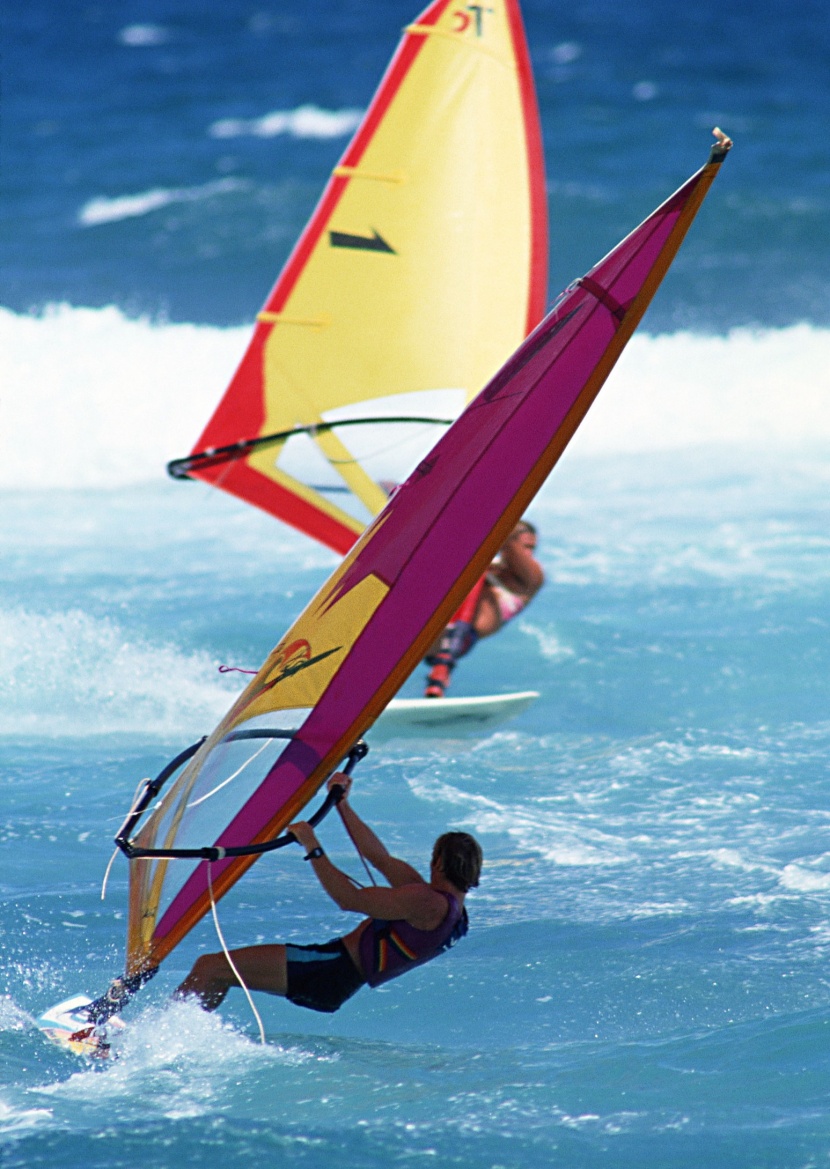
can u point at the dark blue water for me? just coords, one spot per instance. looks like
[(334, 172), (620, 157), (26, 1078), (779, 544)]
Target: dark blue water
[(102, 102), (645, 983)]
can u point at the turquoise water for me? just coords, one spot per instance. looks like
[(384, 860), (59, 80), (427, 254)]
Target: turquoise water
[(645, 979)]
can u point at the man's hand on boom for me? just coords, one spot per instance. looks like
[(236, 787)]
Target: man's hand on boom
[(304, 834), (340, 779), (302, 830), (410, 897)]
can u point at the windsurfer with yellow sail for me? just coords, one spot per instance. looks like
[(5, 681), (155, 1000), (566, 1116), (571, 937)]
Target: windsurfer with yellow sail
[(512, 581), (422, 268), (409, 923)]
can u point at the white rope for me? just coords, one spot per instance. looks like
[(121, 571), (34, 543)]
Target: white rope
[(107, 874), (225, 782), (344, 822), (227, 954)]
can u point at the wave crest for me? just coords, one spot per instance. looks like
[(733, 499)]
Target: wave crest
[(96, 399), (105, 209), (306, 121)]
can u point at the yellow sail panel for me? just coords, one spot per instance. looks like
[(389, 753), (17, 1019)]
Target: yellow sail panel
[(228, 769), (422, 268), (298, 671), (425, 278)]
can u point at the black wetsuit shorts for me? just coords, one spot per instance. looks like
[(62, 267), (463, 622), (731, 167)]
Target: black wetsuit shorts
[(321, 977)]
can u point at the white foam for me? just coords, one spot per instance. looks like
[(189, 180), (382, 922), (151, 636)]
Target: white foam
[(93, 398), (12, 1018), (18, 1120), (566, 52), (306, 121), (142, 36), (550, 647), (552, 836), (648, 909), (763, 388), (193, 1053), (109, 209), (68, 673), (804, 880)]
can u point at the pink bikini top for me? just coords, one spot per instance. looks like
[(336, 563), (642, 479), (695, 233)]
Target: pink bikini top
[(507, 603)]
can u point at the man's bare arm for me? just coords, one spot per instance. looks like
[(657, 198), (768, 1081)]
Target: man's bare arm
[(518, 560), (396, 871), (417, 903)]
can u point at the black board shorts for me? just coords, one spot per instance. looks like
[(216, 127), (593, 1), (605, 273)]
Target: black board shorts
[(321, 977)]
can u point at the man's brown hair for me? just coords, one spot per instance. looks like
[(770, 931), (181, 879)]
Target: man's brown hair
[(460, 857)]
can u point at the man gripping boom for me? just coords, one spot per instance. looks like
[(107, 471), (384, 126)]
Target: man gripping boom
[(405, 925)]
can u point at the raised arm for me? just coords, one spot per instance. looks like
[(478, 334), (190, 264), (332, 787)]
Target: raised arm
[(517, 561), (416, 902), (396, 871)]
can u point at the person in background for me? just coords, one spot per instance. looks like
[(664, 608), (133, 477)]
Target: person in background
[(512, 581)]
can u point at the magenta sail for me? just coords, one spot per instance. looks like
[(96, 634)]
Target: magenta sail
[(442, 527)]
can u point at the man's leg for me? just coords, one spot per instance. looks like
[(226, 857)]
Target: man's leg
[(260, 967), (456, 641)]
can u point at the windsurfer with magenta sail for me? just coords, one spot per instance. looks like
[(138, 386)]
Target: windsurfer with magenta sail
[(357, 641), (407, 923)]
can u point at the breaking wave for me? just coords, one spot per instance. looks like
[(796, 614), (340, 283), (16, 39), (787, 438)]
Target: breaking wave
[(94, 398)]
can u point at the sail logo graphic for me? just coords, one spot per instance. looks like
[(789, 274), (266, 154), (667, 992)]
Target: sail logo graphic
[(362, 243), (472, 14), (294, 657)]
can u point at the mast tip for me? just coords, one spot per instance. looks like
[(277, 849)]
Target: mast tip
[(722, 145)]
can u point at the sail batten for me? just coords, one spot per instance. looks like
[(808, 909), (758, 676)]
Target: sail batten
[(269, 318)]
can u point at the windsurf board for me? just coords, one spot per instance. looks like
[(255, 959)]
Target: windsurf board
[(410, 717), (66, 1024)]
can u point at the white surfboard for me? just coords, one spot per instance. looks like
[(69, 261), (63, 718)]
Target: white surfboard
[(411, 717), (66, 1025)]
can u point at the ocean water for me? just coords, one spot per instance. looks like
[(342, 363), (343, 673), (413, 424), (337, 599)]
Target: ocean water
[(645, 980)]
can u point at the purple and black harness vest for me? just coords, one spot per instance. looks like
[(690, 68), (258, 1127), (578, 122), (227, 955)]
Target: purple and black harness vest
[(390, 948)]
